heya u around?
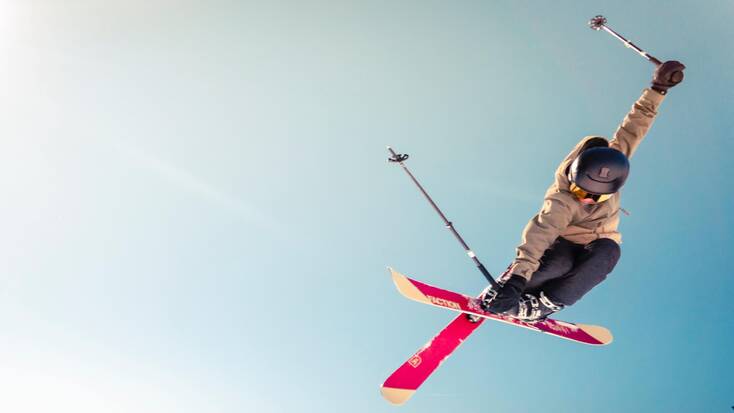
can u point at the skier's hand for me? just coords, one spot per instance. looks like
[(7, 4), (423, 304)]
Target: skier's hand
[(508, 295), (667, 75)]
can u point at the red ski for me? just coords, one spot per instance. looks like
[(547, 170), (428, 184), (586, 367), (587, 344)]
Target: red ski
[(428, 294), (401, 385)]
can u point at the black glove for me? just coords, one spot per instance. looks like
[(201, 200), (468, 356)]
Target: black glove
[(667, 75), (508, 295)]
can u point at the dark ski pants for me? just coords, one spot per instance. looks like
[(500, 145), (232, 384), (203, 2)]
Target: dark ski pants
[(568, 271)]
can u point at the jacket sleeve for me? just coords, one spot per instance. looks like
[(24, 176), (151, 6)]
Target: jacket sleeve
[(635, 125), (542, 230)]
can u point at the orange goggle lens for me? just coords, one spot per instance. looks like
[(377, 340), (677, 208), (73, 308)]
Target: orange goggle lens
[(588, 198)]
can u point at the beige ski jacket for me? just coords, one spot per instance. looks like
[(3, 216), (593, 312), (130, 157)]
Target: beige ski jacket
[(563, 215)]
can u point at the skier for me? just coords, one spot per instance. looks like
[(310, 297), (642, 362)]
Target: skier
[(572, 244)]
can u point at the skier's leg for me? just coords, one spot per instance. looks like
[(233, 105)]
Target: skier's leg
[(556, 262), (596, 260)]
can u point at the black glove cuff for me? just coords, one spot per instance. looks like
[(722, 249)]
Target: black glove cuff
[(660, 90), (517, 282)]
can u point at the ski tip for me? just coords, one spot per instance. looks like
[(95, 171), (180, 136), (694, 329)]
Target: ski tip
[(407, 288), (396, 396), (397, 278), (601, 334)]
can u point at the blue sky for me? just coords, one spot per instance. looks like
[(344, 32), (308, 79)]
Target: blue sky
[(197, 214)]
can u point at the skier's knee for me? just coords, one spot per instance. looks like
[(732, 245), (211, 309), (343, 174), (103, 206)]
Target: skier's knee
[(606, 253), (604, 244), (556, 261)]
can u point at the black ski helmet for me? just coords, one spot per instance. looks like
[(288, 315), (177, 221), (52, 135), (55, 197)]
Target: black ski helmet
[(600, 170)]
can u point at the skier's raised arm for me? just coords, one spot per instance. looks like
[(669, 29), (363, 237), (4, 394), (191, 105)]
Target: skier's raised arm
[(638, 121), (573, 242)]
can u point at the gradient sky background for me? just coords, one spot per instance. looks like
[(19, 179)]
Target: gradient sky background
[(196, 214)]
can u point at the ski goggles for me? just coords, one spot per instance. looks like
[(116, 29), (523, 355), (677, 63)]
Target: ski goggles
[(587, 197)]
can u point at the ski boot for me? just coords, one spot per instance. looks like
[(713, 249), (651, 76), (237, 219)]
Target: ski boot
[(532, 309)]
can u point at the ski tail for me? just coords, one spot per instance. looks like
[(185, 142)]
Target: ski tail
[(395, 395), (601, 334)]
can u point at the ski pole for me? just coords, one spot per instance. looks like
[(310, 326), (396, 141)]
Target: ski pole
[(400, 158), (599, 23)]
